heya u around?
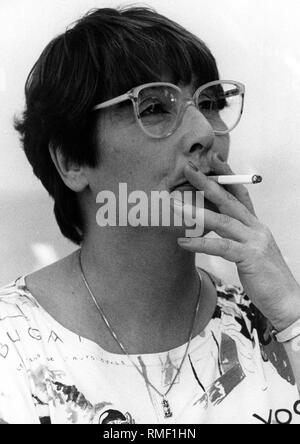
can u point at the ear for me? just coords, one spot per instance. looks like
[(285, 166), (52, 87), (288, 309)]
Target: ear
[(72, 174)]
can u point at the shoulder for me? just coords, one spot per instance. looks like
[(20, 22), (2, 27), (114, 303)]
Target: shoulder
[(55, 279), (15, 303), (13, 295), (24, 297)]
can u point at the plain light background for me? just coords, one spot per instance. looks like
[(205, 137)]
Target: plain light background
[(254, 41)]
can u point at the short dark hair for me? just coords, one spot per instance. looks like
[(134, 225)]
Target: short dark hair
[(104, 54)]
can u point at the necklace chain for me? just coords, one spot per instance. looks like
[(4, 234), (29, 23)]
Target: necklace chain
[(165, 403)]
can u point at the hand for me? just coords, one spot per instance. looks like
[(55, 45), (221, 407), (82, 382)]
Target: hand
[(263, 273)]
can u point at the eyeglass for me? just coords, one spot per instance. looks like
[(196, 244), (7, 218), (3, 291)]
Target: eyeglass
[(159, 107)]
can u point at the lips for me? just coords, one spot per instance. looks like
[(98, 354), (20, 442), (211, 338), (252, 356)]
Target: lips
[(187, 186)]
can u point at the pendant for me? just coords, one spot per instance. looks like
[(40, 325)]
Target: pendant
[(166, 407)]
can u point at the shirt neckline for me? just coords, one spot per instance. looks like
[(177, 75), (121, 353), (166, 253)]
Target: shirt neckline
[(74, 340)]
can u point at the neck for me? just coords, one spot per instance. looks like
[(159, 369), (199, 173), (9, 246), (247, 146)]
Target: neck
[(141, 269)]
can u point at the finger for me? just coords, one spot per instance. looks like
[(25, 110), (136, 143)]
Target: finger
[(227, 249), (221, 224), (239, 191), (227, 227), (225, 201)]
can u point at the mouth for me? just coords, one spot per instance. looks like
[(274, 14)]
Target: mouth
[(187, 186)]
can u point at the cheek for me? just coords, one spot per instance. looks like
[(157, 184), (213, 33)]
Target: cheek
[(127, 155), (118, 143)]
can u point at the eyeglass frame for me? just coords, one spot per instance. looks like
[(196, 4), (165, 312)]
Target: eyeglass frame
[(133, 95)]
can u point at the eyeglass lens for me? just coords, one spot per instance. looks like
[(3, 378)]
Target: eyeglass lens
[(159, 107), (221, 104)]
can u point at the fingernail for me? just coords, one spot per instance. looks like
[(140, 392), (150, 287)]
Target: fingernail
[(218, 157), (193, 166), (184, 240)]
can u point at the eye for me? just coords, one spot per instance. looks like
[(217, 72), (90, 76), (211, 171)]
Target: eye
[(205, 103), (211, 103), (152, 107)]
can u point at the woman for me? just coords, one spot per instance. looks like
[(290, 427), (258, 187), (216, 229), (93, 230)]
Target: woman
[(127, 329)]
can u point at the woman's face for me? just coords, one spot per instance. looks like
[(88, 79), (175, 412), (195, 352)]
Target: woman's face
[(127, 155)]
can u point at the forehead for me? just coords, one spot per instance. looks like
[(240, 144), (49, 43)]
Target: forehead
[(167, 74)]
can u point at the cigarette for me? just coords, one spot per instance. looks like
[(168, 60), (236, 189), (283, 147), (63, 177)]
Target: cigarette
[(237, 179)]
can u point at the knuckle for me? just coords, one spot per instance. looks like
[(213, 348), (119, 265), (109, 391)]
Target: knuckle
[(231, 197), (224, 220), (258, 252), (263, 241), (225, 245), (202, 242), (265, 234), (210, 192)]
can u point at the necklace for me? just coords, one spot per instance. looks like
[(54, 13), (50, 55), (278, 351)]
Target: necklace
[(165, 403)]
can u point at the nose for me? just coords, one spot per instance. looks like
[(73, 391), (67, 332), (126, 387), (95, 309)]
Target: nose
[(197, 132)]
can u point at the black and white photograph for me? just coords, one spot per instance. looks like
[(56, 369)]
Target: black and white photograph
[(149, 214)]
